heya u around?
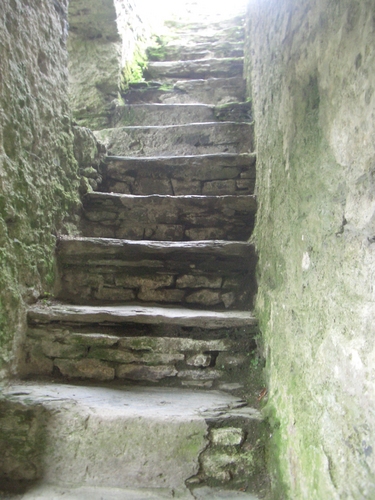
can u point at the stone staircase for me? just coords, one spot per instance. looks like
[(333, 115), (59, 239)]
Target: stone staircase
[(142, 363)]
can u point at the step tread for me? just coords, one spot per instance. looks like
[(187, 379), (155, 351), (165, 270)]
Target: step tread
[(184, 160), (140, 314), (121, 436)]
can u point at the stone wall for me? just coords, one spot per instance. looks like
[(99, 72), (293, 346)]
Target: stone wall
[(105, 38), (38, 172), (313, 73)]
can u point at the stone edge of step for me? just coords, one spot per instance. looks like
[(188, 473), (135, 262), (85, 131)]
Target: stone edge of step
[(41, 313)]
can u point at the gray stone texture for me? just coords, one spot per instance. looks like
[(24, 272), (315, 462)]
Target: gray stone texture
[(39, 181), (164, 217), (179, 175), (187, 139), (313, 94), (212, 91), (202, 273)]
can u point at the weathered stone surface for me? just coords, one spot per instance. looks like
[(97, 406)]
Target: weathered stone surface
[(58, 350), (199, 360), (188, 139), (126, 437), (150, 373), (227, 360), (85, 368), (204, 297), (39, 175), (122, 271), (199, 68), (194, 281), (161, 114), (168, 345), (233, 215), (314, 115), (227, 436), (212, 91), (126, 357), (204, 374), (181, 50), (140, 314), (178, 175)]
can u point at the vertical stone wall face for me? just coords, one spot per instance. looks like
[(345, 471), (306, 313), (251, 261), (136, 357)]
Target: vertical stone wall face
[(106, 37), (313, 73), (38, 179)]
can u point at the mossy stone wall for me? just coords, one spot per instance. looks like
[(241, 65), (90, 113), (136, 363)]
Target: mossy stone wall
[(312, 68), (38, 172)]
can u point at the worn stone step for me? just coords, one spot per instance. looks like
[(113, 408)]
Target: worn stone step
[(210, 91), (183, 51), (162, 114), (198, 68), (65, 351), (139, 315), (203, 32), (214, 174), (206, 273), (168, 218), (189, 139), (176, 114), (73, 436)]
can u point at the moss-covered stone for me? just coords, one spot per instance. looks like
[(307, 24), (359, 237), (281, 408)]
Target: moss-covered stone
[(313, 234)]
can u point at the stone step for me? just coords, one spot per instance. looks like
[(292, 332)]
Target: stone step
[(166, 317), (189, 139), (183, 51), (198, 68), (204, 32), (72, 436), (107, 354), (176, 114), (207, 273), (168, 218), (48, 492), (215, 174), (210, 91)]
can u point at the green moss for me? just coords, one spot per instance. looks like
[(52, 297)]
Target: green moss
[(133, 70)]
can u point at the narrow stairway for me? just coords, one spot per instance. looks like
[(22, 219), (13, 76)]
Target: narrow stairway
[(144, 358)]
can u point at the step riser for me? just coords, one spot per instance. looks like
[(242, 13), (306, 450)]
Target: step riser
[(109, 284), (177, 114), (212, 91), (175, 361), (180, 52), (218, 278), (191, 139), (199, 176), (168, 218), (199, 68)]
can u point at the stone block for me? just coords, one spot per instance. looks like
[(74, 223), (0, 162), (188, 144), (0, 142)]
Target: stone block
[(119, 187), (205, 233), (36, 361), (205, 374), (227, 436), (199, 360), (142, 372), (199, 384), (227, 360), (173, 344), (114, 294), (93, 339), (162, 295), (219, 188), (85, 368), (153, 186), (144, 282), (217, 465), (228, 299), (60, 350), (194, 281), (181, 187), (204, 297), (127, 357)]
